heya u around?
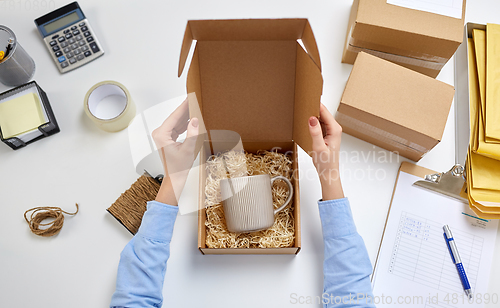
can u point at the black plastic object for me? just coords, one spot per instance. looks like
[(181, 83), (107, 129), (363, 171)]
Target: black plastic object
[(47, 129)]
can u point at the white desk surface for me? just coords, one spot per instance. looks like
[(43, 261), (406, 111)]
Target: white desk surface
[(142, 41)]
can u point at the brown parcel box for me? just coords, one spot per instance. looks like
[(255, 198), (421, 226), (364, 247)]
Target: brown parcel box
[(393, 107), (421, 41), (252, 77)]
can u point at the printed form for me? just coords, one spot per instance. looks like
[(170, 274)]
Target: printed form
[(451, 8), (414, 264)]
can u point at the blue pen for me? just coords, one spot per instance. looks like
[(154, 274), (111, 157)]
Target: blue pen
[(452, 247)]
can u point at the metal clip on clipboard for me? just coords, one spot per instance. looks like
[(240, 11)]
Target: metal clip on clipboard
[(448, 183)]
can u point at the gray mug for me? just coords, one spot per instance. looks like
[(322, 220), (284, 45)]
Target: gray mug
[(248, 202)]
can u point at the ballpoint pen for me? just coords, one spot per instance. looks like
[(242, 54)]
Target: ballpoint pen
[(452, 247), (9, 47)]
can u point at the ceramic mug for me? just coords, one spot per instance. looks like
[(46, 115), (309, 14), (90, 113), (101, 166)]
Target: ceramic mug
[(248, 202)]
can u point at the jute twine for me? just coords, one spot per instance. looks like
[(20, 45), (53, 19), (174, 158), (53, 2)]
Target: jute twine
[(237, 164), (39, 214), (131, 205)]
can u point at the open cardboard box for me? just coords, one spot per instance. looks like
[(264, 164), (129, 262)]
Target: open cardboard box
[(418, 40), (252, 77)]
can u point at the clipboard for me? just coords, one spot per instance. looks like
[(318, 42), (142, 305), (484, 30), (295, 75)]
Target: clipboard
[(413, 238), (409, 168)]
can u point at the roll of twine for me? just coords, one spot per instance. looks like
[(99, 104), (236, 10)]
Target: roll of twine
[(131, 205), (39, 214)]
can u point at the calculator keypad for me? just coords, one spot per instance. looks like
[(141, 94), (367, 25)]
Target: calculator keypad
[(70, 48)]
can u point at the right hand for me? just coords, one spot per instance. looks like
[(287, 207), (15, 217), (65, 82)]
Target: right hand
[(326, 151), (177, 158)]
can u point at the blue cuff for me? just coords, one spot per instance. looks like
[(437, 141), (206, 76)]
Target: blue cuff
[(158, 221), (336, 218)]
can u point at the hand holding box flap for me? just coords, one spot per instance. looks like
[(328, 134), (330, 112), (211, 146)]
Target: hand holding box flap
[(308, 90)]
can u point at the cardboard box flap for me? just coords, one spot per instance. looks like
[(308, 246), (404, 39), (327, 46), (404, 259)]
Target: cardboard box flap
[(249, 30), (186, 46), (308, 90), (310, 44)]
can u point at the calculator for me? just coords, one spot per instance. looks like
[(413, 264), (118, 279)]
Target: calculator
[(70, 39)]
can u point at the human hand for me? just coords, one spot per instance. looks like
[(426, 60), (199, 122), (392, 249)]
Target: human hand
[(325, 154), (177, 158)]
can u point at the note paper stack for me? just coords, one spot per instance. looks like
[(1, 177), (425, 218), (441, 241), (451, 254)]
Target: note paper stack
[(483, 159), (21, 115)]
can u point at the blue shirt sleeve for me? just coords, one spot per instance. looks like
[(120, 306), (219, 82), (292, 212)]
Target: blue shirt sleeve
[(347, 267), (143, 262)]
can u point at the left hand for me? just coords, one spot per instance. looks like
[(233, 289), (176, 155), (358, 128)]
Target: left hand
[(177, 158)]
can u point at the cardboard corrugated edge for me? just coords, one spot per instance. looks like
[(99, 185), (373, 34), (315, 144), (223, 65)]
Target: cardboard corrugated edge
[(410, 169)]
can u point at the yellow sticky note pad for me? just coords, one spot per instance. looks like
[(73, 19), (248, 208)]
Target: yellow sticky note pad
[(20, 115), (492, 112)]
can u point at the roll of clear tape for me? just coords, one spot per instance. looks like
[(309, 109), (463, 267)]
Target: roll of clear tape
[(119, 109)]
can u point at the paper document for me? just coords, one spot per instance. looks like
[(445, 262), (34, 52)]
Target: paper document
[(451, 8), (414, 266)]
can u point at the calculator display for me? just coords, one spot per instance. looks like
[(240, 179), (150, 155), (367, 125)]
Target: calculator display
[(61, 22)]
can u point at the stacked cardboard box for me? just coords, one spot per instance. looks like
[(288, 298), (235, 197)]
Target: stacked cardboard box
[(394, 107), (419, 40)]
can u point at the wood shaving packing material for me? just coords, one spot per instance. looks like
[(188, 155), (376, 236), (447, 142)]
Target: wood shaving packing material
[(237, 164)]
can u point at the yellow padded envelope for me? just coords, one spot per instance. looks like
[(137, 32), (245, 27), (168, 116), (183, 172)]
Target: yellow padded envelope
[(488, 206), (477, 82), (474, 98), (20, 115), (485, 172), (479, 37), (492, 115)]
